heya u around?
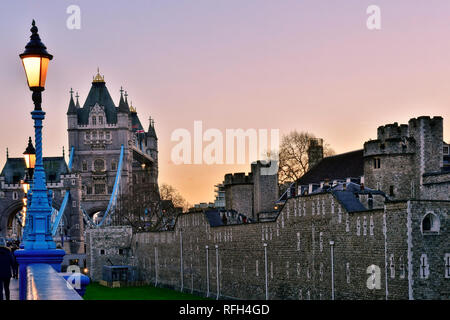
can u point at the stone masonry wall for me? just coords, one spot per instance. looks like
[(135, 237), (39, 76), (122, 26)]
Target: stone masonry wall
[(299, 264)]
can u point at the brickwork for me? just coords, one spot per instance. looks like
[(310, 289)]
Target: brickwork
[(298, 250)]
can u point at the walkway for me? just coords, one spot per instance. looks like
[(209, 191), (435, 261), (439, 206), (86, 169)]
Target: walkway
[(14, 289)]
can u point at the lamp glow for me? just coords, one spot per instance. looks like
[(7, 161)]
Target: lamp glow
[(30, 155), (35, 60)]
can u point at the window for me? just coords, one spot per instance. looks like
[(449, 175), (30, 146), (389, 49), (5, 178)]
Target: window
[(121, 251), (376, 163), (88, 190), (391, 191), (87, 135), (424, 267), (392, 266), (100, 188), (100, 120), (446, 150), (402, 268), (108, 135), (447, 265), (15, 196), (94, 120), (430, 223), (84, 166), (102, 251), (347, 272), (113, 166), (74, 204), (99, 165)]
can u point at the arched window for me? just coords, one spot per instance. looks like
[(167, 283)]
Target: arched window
[(99, 165), (430, 223), (94, 120)]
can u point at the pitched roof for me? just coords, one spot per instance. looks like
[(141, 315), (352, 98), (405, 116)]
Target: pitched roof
[(98, 94), (151, 130), (135, 122), (349, 201), (123, 106), (14, 169), (341, 166)]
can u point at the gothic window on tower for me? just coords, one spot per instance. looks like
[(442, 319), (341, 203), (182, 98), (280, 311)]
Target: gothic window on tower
[(94, 120), (100, 188), (99, 165), (430, 224), (100, 120)]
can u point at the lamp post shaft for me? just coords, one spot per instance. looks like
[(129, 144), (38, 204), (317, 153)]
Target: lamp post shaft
[(39, 212)]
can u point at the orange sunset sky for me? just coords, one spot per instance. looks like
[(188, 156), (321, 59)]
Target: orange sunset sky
[(304, 65)]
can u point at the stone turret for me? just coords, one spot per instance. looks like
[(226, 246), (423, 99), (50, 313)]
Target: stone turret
[(265, 188), (396, 161)]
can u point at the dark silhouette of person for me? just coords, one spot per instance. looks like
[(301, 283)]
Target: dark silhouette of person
[(15, 263), (6, 266)]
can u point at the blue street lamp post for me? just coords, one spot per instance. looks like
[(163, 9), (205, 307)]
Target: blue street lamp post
[(38, 243)]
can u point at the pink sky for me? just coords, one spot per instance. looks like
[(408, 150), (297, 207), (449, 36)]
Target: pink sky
[(304, 65)]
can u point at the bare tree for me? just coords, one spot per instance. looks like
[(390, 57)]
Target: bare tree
[(293, 155), (167, 192), (143, 209)]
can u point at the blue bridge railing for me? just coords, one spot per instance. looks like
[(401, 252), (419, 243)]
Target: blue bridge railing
[(44, 283)]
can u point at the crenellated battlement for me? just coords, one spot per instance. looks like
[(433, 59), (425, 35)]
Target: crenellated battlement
[(238, 178), (393, 130), (404, 145), (427, 120)]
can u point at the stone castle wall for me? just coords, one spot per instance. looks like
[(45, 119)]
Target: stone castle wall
[(299, 264)]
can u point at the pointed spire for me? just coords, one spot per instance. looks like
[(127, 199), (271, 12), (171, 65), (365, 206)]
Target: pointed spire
[(7, 151), (151, 128), (72, 108), (123, 106), (77, 104), (63, 152)]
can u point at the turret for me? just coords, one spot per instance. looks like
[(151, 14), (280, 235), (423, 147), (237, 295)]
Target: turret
[(151, 147)]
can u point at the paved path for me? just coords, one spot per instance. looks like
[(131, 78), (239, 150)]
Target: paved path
[(14, 289)]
